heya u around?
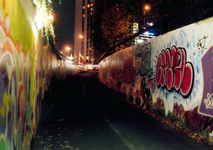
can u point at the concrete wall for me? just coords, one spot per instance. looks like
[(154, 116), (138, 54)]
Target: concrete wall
[(26, 68), (169, 75)]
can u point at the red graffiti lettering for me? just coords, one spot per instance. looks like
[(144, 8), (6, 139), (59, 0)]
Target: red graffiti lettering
[(174, 72), (151, 83), (113, 73), (129, 71)]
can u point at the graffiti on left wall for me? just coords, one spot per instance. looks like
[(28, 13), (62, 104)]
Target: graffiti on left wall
[(20, 99)]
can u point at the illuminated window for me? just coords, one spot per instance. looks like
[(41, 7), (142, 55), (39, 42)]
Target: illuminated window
[(91, 0), (88, 5), (91, 13), (83, 7), (83, 15), (91, 4), (91, 9)]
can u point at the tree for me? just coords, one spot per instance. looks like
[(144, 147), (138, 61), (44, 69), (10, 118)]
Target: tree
[(136, 8), (116, 25), (191, 11), (115, 22)]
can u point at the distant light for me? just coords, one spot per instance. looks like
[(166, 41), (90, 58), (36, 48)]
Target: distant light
[(69, 61), (89, 66), (68, 48), (81, 36), (71, 57), (146, 7), (148, 33), (139, 41), (150, 23), (92, 66)]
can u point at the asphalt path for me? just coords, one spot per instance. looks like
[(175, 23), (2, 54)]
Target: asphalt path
[(83, 114)]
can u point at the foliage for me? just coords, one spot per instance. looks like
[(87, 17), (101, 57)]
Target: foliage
[(108, 36), (195, 11), (136, 8), (116, 25), (45, 17)]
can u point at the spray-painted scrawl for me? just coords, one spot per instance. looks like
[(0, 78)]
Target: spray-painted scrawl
[(170, 75), (173, 71)]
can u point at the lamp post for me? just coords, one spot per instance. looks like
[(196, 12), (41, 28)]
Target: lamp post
[(146, 8), (68, 49), (81, 52)]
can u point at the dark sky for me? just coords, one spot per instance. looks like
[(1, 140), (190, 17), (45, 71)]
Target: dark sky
[(67, 24)]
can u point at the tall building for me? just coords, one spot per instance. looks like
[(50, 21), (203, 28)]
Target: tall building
[(83, 45)]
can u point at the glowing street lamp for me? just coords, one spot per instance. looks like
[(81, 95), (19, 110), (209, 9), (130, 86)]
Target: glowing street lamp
[(81, 36), (80, 56), (146, 8), (68, 49)]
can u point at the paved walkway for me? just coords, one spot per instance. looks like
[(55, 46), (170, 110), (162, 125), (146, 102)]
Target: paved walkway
[(82, 114)]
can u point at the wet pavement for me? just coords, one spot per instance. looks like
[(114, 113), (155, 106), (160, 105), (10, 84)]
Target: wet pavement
[(83, 114)]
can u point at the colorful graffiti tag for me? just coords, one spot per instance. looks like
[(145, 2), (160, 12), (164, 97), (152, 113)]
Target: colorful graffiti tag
[(19, 92), (174, 72), (128, 71), (26, 68), (206, 105), (170, 75)]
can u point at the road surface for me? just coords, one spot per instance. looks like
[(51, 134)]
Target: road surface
[(83, 114)]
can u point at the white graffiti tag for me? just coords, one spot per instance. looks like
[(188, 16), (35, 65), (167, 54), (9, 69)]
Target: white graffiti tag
[(209, 101)]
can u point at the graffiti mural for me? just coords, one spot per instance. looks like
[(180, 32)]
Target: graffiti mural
[(174, 72), (206, 105), (19, 88), (21, 77), (169, 75)]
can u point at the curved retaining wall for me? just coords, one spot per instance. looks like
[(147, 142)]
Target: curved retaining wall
[(170, 75)]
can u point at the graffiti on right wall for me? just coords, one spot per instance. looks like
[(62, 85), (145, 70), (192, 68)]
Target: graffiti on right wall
[(174, 72), (170, 75)]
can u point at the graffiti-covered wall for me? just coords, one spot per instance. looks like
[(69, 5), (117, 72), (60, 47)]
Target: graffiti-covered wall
[(170, 75), (25, 72)]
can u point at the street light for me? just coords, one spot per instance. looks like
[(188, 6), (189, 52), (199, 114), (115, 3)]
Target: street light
[(81, 36), (68, 49), (146, 8), (80, 56)]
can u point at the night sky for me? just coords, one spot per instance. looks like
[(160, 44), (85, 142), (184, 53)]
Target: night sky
[(67, 24)]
